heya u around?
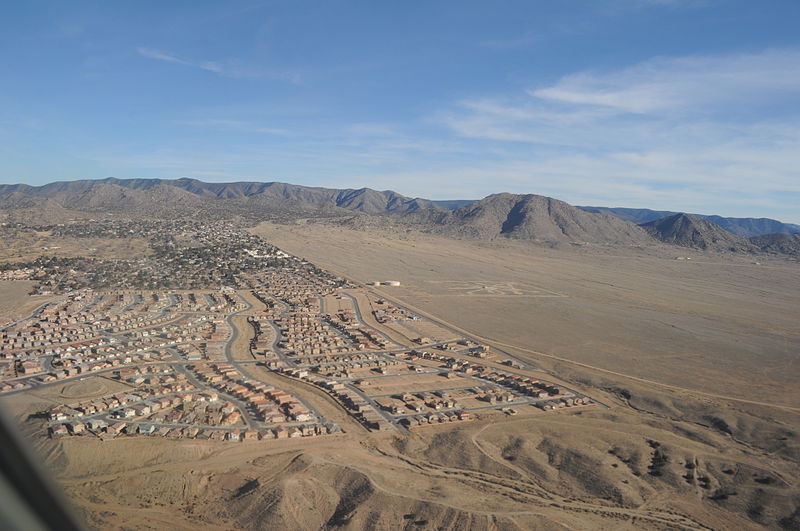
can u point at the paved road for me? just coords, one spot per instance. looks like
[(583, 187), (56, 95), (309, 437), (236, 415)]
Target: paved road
[(360, 318), (386, 354), (229, 355), (369, 400), (250, 419), (33, 314), (234, 329)]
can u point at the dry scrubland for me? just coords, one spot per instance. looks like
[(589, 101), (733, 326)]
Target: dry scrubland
[(553, 471), (717, 323), (695, 360), (696, 355), (15, 301), (31, 246)]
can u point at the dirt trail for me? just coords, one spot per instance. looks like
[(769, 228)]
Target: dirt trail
[(474, 438), (529, 493), (164, 517)]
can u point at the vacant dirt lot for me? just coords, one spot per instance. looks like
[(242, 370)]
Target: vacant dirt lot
[(31, 245), (716, 323), (15, 301)]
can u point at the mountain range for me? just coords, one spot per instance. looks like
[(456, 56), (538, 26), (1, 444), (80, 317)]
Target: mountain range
[(688, 230), (517, 216), (126, 193), (745, 227), (535, 218)]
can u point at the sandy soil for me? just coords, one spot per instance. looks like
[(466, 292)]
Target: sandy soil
[(36, 244), (715, 323), (584, 471), (15, 302), (696, 361)]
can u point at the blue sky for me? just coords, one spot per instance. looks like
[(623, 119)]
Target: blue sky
[(689, 105)]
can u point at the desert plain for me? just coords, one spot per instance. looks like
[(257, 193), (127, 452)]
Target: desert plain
[(690, 356)]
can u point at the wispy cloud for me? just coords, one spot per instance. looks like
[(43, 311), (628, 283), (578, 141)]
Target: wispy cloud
[(708, 134), (672, 101), (151, 53), (669, 84), (229, 68), (665, 180), (674, 133), (372, 129), (236, 125)]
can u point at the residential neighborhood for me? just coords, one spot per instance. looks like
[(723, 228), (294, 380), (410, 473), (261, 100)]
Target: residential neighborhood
[(188, 358)]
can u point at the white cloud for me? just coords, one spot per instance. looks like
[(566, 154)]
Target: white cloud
[(658, 180), (161, 56), (710, 134), (151, 53), (233, 68), (670, 84), (701, 133), (236, 125), (372, 129)]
